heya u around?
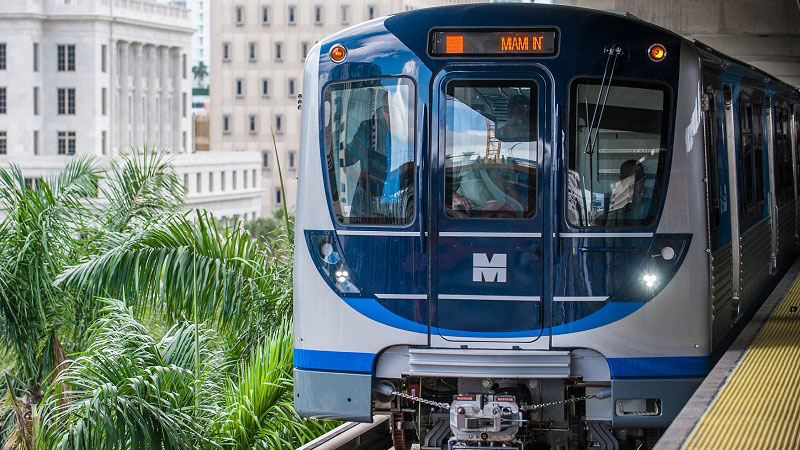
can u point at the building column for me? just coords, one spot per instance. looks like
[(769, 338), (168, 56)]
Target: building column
[(124, 93), (177, 98), (151, 126), (138, 106), (113, 96), (164, 119)]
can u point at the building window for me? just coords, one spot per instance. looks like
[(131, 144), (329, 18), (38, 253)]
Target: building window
[(186, 182), (278, 196), (371, 12), (264, 87), (304, 50), (278, 52), (210, 181), (278, 123), (244, 179), (345, 14), (291, 17), (291, 87), (3, 100), (103, 100), (36, 100), (239, 15), (239, 87), (251, 51), (103, 57), (66, 101), (185, 141), (318, 14), (66, 58), (265, 160), (183, 65), (226, 51), (233, 180), (35, 56), (253, 181), (226, 124), (292, 159), (103, 142), (3, 143), (265, 15), (185, 105), (199, 181), (35, 142), (66, 142), (251, 123), (222, 181), (2, 56)]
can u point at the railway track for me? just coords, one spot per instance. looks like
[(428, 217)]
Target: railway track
[(355, 436)]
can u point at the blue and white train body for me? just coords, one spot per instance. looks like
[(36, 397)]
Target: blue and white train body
[(511, 205)]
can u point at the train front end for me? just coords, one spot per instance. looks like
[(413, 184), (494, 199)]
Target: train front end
[(501, 227)]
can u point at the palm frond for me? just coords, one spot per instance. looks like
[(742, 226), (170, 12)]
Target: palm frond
[(129, 392), (141, 186), (260, 411), (165, 265)]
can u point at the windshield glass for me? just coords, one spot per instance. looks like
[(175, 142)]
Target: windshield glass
[(369, 136), (616, 180), (491, 149)]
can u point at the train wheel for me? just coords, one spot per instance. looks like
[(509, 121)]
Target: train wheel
[(402, 438)]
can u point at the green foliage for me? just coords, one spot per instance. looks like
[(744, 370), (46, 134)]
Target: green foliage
[(127, 391), (259, 411), (166, 265)]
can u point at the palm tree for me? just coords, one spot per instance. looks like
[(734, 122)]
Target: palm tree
[(49, 227), (200, 71)]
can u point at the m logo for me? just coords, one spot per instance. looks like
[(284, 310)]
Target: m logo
[(489, 270)]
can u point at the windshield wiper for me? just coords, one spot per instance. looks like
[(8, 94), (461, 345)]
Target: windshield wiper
[(594, 127)]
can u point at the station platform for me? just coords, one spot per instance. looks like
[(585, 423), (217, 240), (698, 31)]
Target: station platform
[(751, 399)]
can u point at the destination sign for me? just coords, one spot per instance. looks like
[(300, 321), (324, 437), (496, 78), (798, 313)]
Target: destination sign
[(495, 42)]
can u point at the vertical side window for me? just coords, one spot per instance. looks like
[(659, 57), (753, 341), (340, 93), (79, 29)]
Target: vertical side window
[(369, 145), (745, 155), (710, 142), (2, 56)]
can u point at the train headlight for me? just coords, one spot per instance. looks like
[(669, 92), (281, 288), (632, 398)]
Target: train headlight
[(649, 280), (342, 276)]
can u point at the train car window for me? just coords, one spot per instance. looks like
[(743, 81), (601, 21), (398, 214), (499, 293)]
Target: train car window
[(616, 171), (491, 149), (751, 162), (369, 141), (710, 142), (784, 182)]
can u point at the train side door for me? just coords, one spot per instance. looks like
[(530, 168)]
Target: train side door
[(488, 221), (773, 199)]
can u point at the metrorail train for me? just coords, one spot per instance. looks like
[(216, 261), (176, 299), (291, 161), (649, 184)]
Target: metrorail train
[(528, 226)]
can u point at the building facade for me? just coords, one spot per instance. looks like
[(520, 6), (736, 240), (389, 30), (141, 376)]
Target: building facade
[(258, 50), (97, 77)]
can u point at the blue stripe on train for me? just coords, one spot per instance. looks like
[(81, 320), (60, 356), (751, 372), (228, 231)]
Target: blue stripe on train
[(674, 366)]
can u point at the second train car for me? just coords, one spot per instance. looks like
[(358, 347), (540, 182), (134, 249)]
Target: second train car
[(528, 226)]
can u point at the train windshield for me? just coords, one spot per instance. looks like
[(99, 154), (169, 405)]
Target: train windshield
[(369, 136), (491, 149), (616, 174)]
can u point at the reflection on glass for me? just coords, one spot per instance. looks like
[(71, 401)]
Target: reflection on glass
[(614, 179), (491, 149), (369, 136)]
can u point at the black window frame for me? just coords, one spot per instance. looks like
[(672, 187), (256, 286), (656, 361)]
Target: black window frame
[(665, 158)]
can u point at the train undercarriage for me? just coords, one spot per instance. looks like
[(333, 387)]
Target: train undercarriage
[(512, 414)]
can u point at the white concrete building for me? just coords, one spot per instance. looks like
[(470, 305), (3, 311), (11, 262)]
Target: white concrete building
[(258, 50), (97, 77)]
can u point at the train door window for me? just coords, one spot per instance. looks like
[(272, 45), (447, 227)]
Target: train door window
[(710, 142), (617, 168), (784, 182), (369, 143), (491, 149)]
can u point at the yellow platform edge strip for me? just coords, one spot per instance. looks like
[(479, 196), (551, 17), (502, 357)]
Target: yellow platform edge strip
[(759, 405)]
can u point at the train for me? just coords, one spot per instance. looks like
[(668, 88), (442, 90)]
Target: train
[(529, 226)]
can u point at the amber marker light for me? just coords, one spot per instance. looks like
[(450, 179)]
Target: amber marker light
[(338, 53), (657, 52)]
